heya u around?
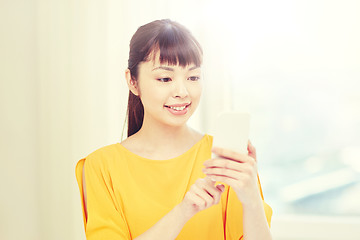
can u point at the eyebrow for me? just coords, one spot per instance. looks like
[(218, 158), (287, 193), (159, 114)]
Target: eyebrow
[(163, 68), (171, 69)]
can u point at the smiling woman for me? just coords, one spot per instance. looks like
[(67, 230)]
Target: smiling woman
[(165, 89), (153, 185), (171, 44)]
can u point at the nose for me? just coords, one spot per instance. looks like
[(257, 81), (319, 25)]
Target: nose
[(180, 89)]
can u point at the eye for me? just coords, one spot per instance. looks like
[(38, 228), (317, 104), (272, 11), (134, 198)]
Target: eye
[(194, 78), (164, 79)]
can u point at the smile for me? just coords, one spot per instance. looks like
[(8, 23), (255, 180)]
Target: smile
[(178, 109)]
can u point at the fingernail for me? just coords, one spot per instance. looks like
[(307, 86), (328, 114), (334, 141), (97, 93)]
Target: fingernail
[(221, 187)]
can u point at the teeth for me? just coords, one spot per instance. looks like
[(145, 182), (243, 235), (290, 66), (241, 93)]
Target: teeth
[(178, 108)]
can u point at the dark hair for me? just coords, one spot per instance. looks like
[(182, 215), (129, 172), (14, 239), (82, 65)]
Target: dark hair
[(176, 46)]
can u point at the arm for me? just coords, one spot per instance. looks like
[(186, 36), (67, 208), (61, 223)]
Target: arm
[(202, 195), (239, 171), (254, 222), (167, 227), (254, 215)]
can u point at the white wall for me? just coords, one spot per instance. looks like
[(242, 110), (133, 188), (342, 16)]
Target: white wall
[(55, 107), (62, 96), (81, 98), (19, 148)]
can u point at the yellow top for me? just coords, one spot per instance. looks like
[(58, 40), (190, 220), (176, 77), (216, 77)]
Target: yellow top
[(127, 194)]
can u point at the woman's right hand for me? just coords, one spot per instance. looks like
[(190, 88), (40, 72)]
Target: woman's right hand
[(201, 195)]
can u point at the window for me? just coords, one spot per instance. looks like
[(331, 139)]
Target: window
[(295, 66)]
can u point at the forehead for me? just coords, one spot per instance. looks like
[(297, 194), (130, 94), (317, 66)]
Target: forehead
[(153, 61), (156, 66)]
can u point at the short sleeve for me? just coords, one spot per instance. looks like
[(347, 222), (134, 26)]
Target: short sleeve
[(105, 218), (268, 210)]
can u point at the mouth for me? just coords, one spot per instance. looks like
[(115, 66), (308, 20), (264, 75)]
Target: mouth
[(178, 107)]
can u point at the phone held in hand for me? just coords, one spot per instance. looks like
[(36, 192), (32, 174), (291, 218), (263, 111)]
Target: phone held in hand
[(231, 131)]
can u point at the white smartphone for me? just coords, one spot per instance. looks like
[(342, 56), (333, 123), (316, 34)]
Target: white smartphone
[(231, 131)]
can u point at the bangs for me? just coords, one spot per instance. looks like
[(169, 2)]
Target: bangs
[(175, 47)]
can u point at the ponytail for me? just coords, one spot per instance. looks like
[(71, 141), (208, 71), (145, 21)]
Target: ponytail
[(135, 114)]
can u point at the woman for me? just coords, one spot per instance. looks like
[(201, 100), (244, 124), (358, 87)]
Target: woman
[(160, 182)]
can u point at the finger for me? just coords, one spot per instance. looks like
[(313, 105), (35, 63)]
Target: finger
[(211, 172), (229, 181), (196, 200), (251, 150), (221, 187), (209, 180), (210, 187), (208, 198), (223, 163), (230, 154)]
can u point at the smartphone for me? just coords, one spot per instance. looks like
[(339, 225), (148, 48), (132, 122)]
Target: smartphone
[(231, 131)]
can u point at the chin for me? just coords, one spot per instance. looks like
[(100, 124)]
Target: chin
[(177, 122)]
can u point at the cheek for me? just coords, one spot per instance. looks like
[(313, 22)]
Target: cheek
[(151, 95), (195, 92)]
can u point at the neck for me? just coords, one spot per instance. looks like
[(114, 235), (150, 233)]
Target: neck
[(158, 141), (161, 141), (157, 135)]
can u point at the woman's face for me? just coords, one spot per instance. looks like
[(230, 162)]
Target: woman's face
[(169, 93)]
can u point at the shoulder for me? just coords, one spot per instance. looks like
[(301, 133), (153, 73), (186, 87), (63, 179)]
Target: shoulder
[(103, 156), (105, 150), (208, 140)]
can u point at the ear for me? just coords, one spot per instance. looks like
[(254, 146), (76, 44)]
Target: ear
[(132, 84)]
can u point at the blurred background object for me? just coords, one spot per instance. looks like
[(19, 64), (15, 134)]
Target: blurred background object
[(293, 65)]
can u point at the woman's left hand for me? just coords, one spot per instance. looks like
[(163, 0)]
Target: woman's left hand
[(237, 170)]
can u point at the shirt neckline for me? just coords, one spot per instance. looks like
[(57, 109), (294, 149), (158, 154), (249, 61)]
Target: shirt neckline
[(166, 160)]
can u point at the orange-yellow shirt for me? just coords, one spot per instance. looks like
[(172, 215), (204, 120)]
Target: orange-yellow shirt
[(127, 194)]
